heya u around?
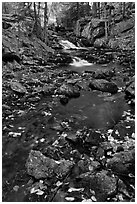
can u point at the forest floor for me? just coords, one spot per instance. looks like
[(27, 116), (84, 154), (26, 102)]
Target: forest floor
[(66, 138)]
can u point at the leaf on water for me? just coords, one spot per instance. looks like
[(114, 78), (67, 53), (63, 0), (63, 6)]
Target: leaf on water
[(75, 189), (69, 198), (33, 190), (42, 139), (16, 188)]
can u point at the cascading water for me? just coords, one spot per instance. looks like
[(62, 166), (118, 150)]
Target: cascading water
[(68, 45), (77, 62)]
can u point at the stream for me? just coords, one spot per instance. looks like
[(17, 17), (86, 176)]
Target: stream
[(38, 125)]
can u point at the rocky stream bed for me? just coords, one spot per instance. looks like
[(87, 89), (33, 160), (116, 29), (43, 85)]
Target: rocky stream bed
[(69, 127)]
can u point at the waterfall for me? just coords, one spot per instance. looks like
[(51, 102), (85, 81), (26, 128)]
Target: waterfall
[(77, 62)]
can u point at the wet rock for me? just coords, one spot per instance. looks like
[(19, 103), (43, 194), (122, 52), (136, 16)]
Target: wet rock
[(69, 91), (93, 139), (64, 100), (103, 85), (123, 162), (102, 183), (40, 166)]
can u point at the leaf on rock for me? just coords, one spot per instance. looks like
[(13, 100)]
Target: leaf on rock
[(69, 198)]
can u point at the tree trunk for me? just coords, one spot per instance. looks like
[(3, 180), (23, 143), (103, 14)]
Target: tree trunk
[(4, 8), (78, 10), (45, 24), (123, 9), (99, 10), (38, 8), (94, 10), (106, 23), (36, 20)]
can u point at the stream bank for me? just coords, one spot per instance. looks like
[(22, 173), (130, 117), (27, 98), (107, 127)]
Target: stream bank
[(62, 136)]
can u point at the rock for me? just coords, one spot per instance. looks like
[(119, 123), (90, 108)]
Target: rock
[(100, 42), (123, 162), (122, 27), (10, 57), (72, 138), (93, 139), (17, 87), (103, 74), (64, 100), (48, 89), (98, 32), (90, 28), (130, 90), (102, 183), (103, 85), (40, 166), (69, 91)]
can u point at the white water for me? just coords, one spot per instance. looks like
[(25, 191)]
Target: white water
[(68, 45), (77, 62)]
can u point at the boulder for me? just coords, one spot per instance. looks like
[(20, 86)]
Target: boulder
[(98, 32), (103, 85), (122, 27), (100, 42), (40, 166), (123, 163), (69, 91), (102, 183), (90, 28)]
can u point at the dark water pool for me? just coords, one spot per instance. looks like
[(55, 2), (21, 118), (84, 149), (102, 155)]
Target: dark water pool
[(94, 110)]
